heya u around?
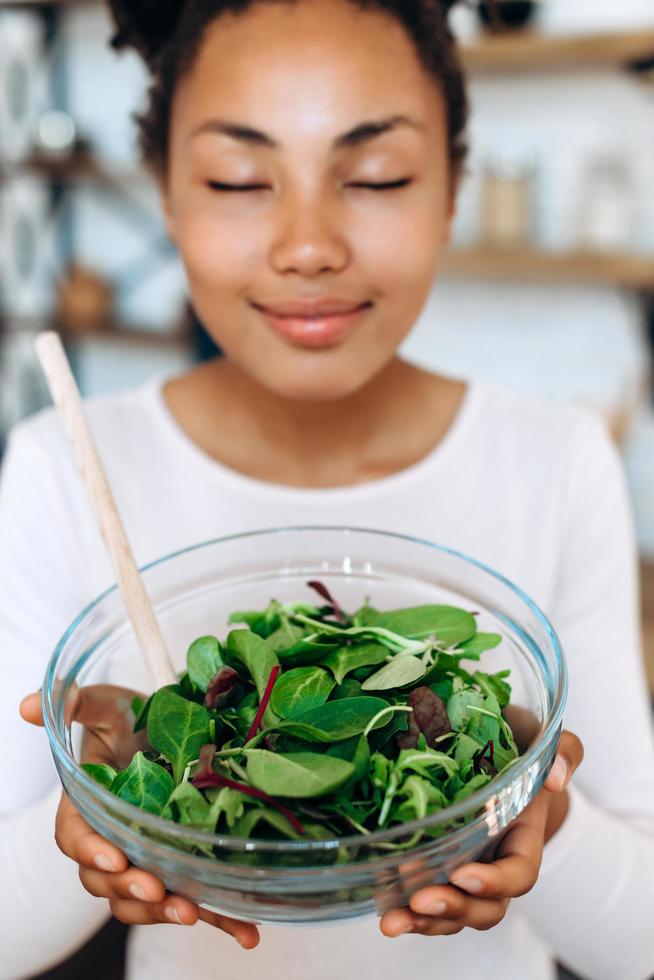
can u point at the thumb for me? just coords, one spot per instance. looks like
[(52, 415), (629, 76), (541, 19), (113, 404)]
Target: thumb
[(30, 709), (569, 757)]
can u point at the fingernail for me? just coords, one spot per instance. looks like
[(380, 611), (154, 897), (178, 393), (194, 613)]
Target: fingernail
[(137, 891), (407, 928), (559, 772), (104, 863), (172, 915), (468, 884), (435, 908)]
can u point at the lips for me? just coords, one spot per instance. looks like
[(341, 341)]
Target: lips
[(314, 324), (311, 309)]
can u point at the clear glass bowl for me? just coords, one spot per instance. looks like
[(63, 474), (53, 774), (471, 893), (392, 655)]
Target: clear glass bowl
[(193, 592)]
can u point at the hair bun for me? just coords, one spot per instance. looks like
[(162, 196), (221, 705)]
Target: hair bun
[(146, 25)]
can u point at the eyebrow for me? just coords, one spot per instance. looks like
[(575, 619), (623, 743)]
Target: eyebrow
[(355, 137)]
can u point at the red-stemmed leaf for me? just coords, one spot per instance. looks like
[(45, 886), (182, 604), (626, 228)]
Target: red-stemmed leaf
[(323, 591), (429, 717), (264, 702), (224, 689), (208, 780)]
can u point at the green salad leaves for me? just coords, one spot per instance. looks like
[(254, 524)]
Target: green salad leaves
[(308, 721)]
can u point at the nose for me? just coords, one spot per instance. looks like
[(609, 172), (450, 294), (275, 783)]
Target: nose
[(308, 241)]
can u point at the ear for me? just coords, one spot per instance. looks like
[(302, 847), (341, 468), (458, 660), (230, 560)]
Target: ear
[(450, 217), (166, 208)]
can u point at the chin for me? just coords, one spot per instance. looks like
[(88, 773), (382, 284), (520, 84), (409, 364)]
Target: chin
[(313, 380)]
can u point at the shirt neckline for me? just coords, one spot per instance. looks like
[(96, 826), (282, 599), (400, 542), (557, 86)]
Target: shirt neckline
[(214, 471)]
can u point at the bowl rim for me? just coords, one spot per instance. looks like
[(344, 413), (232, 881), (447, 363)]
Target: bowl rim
[(475, 801)]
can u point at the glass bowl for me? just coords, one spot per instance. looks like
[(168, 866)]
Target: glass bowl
[(312, 881)]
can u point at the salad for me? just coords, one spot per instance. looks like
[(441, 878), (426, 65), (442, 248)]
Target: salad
[(307, 721)]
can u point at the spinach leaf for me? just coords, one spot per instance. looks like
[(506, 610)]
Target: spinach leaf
[(348, 689), (403, 669), (422, 799), (244, 826), (177, 728), (458, 707), (300, 690), (141, 716), (262, 623), (366, 616), (342, 660), (258, 658), (422, 761), (203, 661), (298, 774), (354, 750), (479, 644), (144, 784), (285, 637), (101, 772), (342, 718), (228, 802), (187, 806), (306, 650), (450, 625), (495, 685)]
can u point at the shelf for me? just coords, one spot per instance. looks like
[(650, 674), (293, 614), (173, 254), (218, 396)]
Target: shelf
[(129, 335), (529, 50), (47, 3), (531, 265), (112, 332), (77, 168)]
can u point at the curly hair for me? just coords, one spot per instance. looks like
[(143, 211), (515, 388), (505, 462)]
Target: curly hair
[(168, 35)]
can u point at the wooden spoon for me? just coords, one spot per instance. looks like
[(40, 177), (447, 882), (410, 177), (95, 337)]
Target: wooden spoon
[(66, 397)]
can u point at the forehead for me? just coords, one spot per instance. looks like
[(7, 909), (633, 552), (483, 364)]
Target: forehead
[(310, 67)]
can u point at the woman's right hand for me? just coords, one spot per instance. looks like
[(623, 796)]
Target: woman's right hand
[(136, 897)]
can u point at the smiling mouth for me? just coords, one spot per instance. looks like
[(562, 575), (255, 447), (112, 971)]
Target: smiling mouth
[(314, 330)]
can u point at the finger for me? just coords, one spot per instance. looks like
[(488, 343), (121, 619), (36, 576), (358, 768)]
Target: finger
[(569, 756), (245, 933), (401, 921), (30, 709), (174, 910), (481, 914), (131, 884), (79, 842), (519, 856)]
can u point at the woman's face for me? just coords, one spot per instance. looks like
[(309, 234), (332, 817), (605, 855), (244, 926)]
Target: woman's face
[(305, 106)]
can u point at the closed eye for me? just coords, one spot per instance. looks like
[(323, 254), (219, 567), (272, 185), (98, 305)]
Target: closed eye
[(387, 186)]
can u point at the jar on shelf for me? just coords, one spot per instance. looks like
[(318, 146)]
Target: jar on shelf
[(507, 199), (607, 205)]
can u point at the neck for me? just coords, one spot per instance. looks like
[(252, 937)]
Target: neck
[(365, 435)]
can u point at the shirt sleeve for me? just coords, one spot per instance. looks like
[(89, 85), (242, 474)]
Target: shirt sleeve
[(594, 898), (45, 914)]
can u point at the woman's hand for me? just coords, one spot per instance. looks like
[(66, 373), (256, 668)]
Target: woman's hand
[(135, 897), (482, 892)]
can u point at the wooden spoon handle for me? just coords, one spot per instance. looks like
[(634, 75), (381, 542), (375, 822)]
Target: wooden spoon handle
[(66, 397)]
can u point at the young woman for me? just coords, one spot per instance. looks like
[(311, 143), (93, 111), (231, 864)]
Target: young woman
[(309, 155)]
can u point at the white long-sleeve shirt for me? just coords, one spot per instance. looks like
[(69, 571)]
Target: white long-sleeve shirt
[(535, 491)]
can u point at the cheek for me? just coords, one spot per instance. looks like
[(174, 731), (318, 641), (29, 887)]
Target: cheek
[(217, 255)]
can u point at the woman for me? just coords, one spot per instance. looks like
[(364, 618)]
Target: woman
[(309, 155)]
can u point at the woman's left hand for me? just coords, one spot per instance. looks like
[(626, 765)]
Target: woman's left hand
[(479, 894)]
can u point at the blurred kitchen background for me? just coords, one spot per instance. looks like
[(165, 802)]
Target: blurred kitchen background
[(549, 286)]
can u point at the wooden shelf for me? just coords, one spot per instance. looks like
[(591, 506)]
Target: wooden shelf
[(531, 265), (528, 50), (110, 332), (129, 335), (79, 168)]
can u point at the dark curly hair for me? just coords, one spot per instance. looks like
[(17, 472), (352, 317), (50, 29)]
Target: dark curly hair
[(169, 33)]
